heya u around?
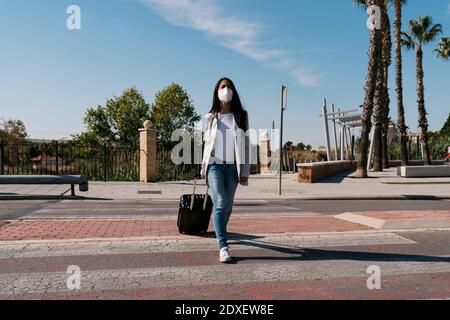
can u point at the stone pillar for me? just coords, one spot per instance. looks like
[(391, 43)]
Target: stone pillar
[(264, 153), (147, 140)]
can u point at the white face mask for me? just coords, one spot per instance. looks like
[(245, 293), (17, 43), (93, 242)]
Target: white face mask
[(225, 95)]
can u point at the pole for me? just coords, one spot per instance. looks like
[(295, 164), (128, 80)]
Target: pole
[(104, 162), (327, 132), (350, 143), (280, 177), (2, 157), (372, 136), (335, 135), (353, 147), (417, 147), (340, 135), (57, 158), (346, 143)]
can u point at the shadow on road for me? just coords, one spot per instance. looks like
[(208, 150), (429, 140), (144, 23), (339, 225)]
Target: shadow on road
[(302, 254)]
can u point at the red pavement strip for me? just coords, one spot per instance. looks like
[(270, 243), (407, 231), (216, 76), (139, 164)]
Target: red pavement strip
[(96, 228), (409, 286)]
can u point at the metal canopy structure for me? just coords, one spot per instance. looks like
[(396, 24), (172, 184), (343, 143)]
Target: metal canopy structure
[(345, 120)]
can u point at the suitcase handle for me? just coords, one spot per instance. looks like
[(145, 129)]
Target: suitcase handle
[(193, 196)]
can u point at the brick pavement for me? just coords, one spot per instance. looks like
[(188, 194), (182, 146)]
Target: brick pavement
[(110, 228)]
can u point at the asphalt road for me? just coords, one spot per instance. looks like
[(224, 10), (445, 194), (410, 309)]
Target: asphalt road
[(412, 265), (34, 209)]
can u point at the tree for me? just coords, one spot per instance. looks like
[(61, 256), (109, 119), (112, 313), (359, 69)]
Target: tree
[(370, 88), (421, 32), (13, 131), (381, 98), (443, 49), (99, 125), (172, 110), (446, 128), (301, 146), (127, 114), (385, 110), (398, 4), (116, 123)]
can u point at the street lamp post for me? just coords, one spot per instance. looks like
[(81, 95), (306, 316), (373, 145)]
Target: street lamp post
[(327, 132), (335, 134), (283, 108)]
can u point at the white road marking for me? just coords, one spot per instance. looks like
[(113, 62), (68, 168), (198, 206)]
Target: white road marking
[(45, 282), (42, 248)]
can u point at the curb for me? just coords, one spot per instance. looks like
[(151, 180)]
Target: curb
[(328, 198), (49, 197)]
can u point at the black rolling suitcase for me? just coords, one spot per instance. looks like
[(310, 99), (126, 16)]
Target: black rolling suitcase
[(194, 212)]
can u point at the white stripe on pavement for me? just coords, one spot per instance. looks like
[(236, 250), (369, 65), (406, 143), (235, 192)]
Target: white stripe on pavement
[(23, 249), (46, 282)]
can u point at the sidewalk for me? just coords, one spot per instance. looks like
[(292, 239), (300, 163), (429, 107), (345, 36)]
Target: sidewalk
[(385, 185)]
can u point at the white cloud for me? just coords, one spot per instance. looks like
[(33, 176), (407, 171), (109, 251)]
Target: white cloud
[(241, 36), (305, 77)]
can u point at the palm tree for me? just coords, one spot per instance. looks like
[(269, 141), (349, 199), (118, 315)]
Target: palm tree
[(382, 100), (443, 50), (421, 32), (387, 60), (399, 80), (370, 88), (381, 96), (385, 108), (377, 119)]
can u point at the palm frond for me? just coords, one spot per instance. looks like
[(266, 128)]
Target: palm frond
[(443, 49), (433, 33), (408, 41), (423, 30)]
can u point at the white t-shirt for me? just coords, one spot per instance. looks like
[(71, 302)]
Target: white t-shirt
[(224, 143)]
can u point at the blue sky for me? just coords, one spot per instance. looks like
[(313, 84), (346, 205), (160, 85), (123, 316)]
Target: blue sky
[(50, 75)]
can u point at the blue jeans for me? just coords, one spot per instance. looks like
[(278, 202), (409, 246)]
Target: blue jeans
[(223, 182)]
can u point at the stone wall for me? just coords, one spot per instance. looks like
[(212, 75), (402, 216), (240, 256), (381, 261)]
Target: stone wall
[(314, 172)]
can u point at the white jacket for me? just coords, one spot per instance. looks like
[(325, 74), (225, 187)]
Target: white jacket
[(241, 146)]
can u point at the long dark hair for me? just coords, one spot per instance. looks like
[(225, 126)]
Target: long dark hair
[(240, 115)]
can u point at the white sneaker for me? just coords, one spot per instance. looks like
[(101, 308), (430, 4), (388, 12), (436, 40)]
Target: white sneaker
[(224, 255)]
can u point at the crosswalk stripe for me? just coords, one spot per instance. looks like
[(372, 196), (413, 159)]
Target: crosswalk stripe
[(23, 249), (46, 282)]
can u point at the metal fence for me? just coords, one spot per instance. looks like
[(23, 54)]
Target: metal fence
[(167, 170), (95, 162), (99, 162)]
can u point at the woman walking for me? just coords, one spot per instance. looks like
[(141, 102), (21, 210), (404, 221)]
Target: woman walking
[(226, 158)]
